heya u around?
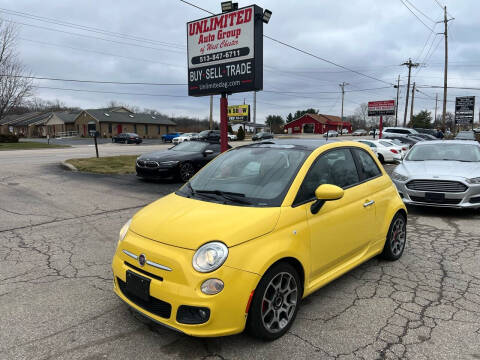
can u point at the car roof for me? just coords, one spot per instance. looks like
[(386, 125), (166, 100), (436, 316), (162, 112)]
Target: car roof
[(471, 142), (308, 144)]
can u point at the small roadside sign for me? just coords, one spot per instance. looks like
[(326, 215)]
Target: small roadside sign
[(379, 108), (464, 110)]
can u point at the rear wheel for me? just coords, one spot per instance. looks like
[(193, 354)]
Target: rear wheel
[(186, 171), (275, 302), (381, 158), (396, 238)]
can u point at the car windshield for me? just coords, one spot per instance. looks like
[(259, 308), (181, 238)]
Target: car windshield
[(190, 146), (442, 151), (249, 176)]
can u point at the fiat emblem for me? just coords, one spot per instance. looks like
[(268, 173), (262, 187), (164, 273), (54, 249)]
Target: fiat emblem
[(142, 259)]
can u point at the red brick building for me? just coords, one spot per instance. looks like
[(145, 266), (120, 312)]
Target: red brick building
[(316, 124)]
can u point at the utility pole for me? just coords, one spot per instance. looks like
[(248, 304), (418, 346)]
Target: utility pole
[(396, 104), (445, 71), (211, 113), (413, 101), (342, 86), (436, 102), (255, 108), (409, 64)]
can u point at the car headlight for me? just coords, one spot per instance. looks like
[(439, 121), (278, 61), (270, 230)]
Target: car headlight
[(124, 230), (474, 180), (169, 163), (210, 257), (399, 177)]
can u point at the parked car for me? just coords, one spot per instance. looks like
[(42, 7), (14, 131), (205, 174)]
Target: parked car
[(440, 173), (208, 135), (372, 146), (331, 133), (377, 132), (127, 138), (181, 161), (403, 138), (295, 214), (423, 136), (345, 132), (262, 136), (476, 130), (399, 130), (359, 132), (232, 137), (432, 132), (386, 151), (169, 137), (465, 135), (183, 137)]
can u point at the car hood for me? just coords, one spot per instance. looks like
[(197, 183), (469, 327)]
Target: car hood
[(431, 168), (189, 223), (165, 155)]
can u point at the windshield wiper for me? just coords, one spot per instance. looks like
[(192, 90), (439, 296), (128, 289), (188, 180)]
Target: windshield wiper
[(231, 196)]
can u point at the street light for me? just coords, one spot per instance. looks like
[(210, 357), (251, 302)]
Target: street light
[(227, 6), (267, 14)]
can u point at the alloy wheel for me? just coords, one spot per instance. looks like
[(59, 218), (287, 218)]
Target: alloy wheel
[(398, 236), (279, 302), (186, 171)]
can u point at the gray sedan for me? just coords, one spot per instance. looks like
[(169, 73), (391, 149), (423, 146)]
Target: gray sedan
[(440, 173)]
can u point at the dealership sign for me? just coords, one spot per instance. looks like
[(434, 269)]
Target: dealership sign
[(379, 108), (238, 113), (225, 52), (464, 109)]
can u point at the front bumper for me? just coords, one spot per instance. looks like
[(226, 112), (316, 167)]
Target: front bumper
[(181, 286), (468, 199), (157, 173)]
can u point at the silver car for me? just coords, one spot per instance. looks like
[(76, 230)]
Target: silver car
[(440, 173)]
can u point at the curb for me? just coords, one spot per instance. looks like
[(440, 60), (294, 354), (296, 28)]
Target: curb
[(68, 166)]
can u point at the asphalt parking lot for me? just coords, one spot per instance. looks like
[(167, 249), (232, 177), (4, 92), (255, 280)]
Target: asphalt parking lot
[(58, 232)]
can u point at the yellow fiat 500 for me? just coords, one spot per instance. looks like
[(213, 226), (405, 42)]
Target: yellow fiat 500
[(255, 231)]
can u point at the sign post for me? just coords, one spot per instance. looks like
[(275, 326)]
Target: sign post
[(225, 56), (464, 110), (380, 108)]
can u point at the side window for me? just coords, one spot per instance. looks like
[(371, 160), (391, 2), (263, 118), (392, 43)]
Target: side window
[(368, 167), (335, 167)]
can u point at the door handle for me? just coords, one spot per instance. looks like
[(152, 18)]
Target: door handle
[(368, 203)]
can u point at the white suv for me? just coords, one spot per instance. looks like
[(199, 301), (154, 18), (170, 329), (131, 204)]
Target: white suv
[(399, 131)]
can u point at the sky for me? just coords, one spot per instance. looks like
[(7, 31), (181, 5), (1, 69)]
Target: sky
[(145, 41)]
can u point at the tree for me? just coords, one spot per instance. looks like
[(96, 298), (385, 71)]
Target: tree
[(240, 133), (15, 87), (362, 114), (422, 120), (300, 113), (275, 122), (289, 117)]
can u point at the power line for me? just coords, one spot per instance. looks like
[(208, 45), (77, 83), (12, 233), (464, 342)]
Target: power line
[(93, 37), (428, 27), (87, 28), (300, 50), (92, 81), (421, 12)]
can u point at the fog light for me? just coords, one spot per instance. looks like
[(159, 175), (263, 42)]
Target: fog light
[(212, 286), (192, 314)]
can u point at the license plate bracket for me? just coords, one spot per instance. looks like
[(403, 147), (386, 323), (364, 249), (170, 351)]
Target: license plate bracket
[(435, 197), (138, 286)]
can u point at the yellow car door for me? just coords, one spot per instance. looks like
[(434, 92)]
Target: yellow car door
[(343, 229)]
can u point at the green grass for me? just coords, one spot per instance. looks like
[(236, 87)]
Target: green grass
[(123, 164), (29, 145)]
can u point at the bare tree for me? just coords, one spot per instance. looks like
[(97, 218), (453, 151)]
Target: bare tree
[(14, 86)]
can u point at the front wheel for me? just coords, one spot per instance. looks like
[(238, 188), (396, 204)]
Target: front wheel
[(275, 303), (396, 238), (186, 171)]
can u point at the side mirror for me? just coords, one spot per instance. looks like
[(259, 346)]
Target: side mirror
[(326, 192)]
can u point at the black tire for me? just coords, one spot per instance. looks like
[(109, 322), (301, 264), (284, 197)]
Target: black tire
[(262, 312), (396, 238), (186, 171), (381, 158)]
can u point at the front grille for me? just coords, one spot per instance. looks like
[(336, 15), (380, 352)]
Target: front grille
[(444, 201), (148, 164), (153, 305), (437, 186)]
